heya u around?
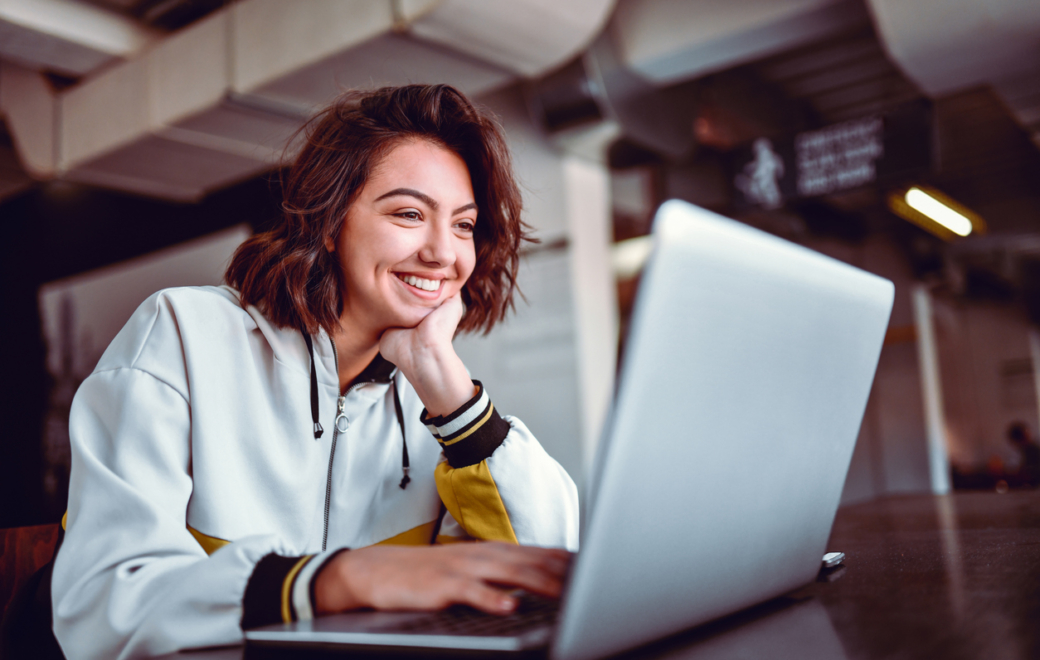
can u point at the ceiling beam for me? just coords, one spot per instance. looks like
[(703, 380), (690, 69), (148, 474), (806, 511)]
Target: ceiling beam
[(67, 37)]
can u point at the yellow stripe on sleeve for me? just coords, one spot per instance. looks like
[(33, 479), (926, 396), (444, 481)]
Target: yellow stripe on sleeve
[(472, 498), (421, 535), (209, 543), (287, 588), (444, 539), (491, 409)]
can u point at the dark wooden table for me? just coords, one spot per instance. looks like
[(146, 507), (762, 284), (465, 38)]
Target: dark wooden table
[(954, 577)]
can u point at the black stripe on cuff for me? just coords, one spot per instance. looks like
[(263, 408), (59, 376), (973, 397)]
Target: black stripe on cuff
[(480, 416), (478, 445), (262, 602)]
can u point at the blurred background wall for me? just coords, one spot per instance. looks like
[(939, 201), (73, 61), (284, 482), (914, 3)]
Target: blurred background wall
[(141, 140)]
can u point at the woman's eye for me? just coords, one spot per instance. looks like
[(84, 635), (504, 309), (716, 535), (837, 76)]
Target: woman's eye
[(409, 215), (465, 225)]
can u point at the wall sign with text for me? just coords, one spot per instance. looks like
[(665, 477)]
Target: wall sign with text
[(884, 150)]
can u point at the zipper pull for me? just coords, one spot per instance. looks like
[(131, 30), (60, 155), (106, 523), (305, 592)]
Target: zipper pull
[(342, 423)]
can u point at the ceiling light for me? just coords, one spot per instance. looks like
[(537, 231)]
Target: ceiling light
[(921, 201), (936, 213)]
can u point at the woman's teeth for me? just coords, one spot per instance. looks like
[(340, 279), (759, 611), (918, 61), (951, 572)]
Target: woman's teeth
[(419, 283)]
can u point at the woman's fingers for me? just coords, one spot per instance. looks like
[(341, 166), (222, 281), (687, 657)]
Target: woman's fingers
[(536, 572), (484, 597), (440, 324), (429, 578), (554, 561)]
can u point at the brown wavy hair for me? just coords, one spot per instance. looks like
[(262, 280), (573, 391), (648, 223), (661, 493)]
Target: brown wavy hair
[(288, 274)]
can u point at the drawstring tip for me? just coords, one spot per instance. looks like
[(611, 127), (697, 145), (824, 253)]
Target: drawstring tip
[(318, 430), (405, 479)]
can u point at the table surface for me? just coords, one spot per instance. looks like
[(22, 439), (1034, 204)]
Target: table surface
[(924, 577)]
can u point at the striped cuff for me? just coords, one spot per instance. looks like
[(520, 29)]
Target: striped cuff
[(471, 433), (281, 589), (303, 587), (269, 592)]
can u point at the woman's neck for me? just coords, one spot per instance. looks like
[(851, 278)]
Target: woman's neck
[(354, 351)]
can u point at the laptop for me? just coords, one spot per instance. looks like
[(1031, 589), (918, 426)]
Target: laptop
[(743, 385)]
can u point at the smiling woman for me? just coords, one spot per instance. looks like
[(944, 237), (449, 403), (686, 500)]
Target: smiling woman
[(346, 145), (206, 494)]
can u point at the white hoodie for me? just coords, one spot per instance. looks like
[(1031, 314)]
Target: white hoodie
[(196, 472)]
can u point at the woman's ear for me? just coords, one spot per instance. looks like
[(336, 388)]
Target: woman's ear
[(329, 245)]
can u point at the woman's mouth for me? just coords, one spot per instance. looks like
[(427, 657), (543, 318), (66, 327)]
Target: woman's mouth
[(420, 283)]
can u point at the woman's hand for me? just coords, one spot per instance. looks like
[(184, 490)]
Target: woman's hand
[(387, 577), (427, 358)]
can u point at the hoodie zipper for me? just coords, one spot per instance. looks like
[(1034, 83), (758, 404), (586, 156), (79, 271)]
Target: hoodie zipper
[(336, 430)]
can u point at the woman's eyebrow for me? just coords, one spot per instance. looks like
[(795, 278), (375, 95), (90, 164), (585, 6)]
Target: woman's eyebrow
[(422, 197), (425, 199)]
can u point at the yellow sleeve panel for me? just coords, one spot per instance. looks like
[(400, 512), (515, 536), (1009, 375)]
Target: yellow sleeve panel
[(472, 498), (444, 539), (421, 535), (209, 543)]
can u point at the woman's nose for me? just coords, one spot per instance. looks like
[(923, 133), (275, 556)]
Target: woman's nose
[(438, 248)]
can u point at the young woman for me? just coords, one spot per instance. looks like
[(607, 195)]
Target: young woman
[(305, 440)]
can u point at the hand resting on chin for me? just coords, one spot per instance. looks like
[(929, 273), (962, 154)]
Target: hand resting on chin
[(428, 360)]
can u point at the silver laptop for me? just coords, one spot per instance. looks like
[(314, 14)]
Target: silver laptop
[(744, 382)]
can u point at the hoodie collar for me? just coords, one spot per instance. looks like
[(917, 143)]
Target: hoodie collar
[(379, 370)]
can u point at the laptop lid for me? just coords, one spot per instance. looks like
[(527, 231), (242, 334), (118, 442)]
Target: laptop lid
[(744, 382)]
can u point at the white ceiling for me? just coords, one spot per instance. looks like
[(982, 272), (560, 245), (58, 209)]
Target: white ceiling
[(141, 93), (67, 37), (176, 115)]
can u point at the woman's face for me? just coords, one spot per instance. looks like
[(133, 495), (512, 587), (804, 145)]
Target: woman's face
[(407, 242)]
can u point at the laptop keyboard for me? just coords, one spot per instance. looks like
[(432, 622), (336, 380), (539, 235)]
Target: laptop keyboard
[(532, 612)]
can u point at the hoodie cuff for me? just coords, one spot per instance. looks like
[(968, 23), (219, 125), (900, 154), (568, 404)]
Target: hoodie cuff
[(470, 434), (268, 597), (303, 588), (281, 589)]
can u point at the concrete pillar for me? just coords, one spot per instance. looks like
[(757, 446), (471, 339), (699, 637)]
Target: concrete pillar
[(1034, 354), (931, 391), (586, 182), (589, 215)]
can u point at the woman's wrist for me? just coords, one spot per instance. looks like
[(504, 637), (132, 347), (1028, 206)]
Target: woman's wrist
[(440, 379), (332, 592)]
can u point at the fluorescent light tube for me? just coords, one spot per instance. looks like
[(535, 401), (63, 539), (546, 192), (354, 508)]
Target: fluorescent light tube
[(921, 201)]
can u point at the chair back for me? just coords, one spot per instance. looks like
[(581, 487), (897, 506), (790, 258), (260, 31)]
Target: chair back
[(23, 551)]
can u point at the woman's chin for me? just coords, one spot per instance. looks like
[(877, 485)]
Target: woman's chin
[(410, 318)]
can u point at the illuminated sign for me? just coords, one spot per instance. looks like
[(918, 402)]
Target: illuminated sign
[(887, 149)]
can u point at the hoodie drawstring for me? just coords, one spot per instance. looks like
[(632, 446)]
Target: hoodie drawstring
[(397, 409), (314, 389), (404, 444)]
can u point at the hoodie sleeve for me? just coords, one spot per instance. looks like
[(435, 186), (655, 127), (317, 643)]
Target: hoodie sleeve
[(130, 578), (498, 483)]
